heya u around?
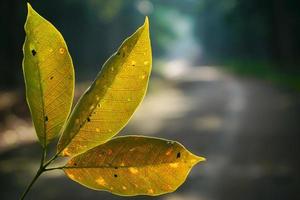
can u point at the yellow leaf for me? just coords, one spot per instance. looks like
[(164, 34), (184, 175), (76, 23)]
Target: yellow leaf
[(111, 100), (133, 165), (49, 76)]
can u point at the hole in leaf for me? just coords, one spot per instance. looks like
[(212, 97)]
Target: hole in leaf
[(46, 118), (33, 52), (178, 155), (88, 119), (115, 175), (51, 77), (116, 167)]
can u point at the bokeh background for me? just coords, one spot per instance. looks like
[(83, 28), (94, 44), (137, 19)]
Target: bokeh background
[(225, 83)]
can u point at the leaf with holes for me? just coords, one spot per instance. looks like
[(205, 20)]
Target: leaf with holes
[(49, 76), (133, 165), (109, 103)]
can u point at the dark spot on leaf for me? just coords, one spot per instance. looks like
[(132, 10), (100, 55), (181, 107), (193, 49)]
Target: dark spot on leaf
[(51, 77), (75, 164), (123, 54), (88, 119), (46, 118), (115, 175), (33, 52), (116, 167), (133, 65), (178, 155)]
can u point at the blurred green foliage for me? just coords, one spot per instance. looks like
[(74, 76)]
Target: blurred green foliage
[(266, 71), (251, 30)]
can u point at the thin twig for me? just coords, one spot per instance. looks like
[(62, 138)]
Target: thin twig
[(50, 161), (41, 170), (38, 173), (54, 168)]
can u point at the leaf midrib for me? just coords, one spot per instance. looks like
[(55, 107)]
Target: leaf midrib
[(119, 167), (36, 65)]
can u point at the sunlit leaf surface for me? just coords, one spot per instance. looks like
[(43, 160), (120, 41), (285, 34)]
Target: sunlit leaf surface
[(109, 103), (49, 76), (133, 165)]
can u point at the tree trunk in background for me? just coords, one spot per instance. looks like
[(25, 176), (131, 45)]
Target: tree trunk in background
[(282, 38), (11, 45)]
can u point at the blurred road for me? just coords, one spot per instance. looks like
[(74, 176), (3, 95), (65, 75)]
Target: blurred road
[(247, 130)]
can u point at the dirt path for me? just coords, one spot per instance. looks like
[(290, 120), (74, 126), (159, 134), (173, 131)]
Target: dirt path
[(248, 130)]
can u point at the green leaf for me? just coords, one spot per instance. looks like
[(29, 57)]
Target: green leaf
[(133, 165), (49, 76), (109, 103)]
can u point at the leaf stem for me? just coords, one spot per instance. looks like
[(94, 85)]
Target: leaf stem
[(42, 169), (43, 157), (50, 161), (39, 172), (54, 168)]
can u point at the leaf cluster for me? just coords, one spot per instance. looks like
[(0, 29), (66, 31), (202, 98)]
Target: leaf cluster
[(129, 165)]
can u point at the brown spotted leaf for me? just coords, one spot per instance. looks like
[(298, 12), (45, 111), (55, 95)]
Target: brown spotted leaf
[(133, 165), (49, 76), (109, 103)]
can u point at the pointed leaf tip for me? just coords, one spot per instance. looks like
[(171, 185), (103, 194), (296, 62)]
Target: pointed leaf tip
[(146, 20), (30, 10), (196, 159), (32, 13), (146, 23), (200, 159), (28, 6)]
